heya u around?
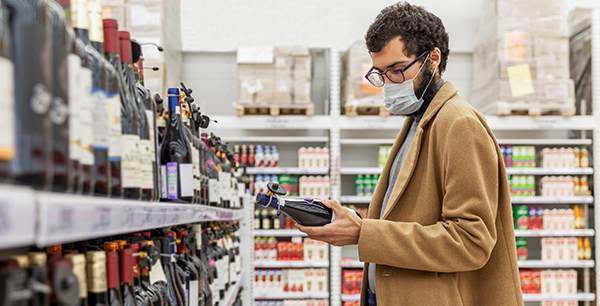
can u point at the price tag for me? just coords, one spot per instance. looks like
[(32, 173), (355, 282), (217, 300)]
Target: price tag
[(175, 215), (102, 218), (161, 218), (286, 123), (64, 222), (128, 217), (383, 123), (545, 123)]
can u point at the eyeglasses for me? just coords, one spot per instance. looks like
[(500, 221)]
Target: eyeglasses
[(395, 75)]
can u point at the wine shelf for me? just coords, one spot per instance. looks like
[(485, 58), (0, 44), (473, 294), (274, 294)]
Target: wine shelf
[(555, 233), (233, 292), (286, 170), (559, 297), (350, 297), (352, 264), (549, 171), (278, 233), (275, 139), (291, 264), (17, 216), (292, 295), (65, 218), (552, 200), (533, 264), (265, 122)]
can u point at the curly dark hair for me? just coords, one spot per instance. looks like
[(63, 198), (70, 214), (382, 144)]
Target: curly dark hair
[(419, 29)]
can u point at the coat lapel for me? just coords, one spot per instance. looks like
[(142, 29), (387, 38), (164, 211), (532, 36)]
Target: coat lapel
[(444, 94), (382, 184)]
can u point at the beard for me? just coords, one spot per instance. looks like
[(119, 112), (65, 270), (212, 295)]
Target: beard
[(427, 94)]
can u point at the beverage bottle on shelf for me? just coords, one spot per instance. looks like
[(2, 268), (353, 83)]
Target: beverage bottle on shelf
[(112, 279), (96, 272), (222, 262), (175, 157), (122, 167), (173, 281), (14, 279), (274, 157), (197, 250), (275, 220), (259, 156), (126, 276), (251, 156), (187, 129), (132, 176), (83, 83), (99, 102), (213, 173), (237, 156), (268, 158), (149, 169), (191, 273), (32, 162), (79, 268), (38, 273), (204, 181), (265, 220), (141, 298), (58, 112), (154, 292), (308, 212), (7, 98)]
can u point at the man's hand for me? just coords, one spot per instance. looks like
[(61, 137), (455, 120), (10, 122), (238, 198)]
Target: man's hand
[(343, 231)]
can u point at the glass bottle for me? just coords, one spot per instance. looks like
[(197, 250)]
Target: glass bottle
[(128, 117), (175, 157), (112, 279), (190, 271), (79, 267), (7, 98), (173, 282), (39, 273), (151, 291), (126, 277), (96, 277), (30, 34), (141, 297)]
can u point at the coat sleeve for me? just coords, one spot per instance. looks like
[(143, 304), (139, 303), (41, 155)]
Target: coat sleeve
[(464, 239)]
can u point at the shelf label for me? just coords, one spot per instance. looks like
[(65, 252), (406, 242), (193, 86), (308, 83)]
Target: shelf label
[(286, 123), (102, 219), (383, 123)]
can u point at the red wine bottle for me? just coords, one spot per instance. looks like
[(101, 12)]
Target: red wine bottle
[(173, 282), (131, 145), (97, 287), (307, 212), (99, 102), (191, 273), (142, 299), (129, 117), (126, 277), (59, 111), (152, 291), (7, 98), (79, 268), (175, 157), (39, 273), (147, 142), (112, 279), (32, 162), (80, 24)]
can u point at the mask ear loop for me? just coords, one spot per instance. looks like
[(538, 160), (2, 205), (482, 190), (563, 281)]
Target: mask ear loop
[(431, 79)]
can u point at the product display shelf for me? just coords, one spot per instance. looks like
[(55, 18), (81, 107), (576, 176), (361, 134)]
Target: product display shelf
[(292, 295), (555, 233), (64, 218), (287, 170), (263, 122), (350, 297), (290, 264), (551, 264), (553, 200), (231, 295), (559, 297), (355, 199), (352, 264), (549, 171), (278, 233), (367, 141), (360, 170), (275, 139), (548, 142)]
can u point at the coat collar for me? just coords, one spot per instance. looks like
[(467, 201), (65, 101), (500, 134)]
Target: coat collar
[(444, 94)]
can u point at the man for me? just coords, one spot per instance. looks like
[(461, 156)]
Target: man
[(440, 227)]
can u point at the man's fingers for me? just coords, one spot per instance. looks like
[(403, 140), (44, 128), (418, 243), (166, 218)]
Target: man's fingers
[(333, 204)]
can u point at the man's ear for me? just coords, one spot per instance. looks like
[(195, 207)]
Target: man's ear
[(435, 58)]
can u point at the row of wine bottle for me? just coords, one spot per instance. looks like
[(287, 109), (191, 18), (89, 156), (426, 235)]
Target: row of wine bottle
[(182, 266), (76, 118)]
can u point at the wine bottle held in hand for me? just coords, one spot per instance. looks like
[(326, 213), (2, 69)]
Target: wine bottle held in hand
[(307, 212)]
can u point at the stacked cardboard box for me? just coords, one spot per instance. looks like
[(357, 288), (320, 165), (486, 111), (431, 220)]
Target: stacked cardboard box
[(521, 57), (282, 77), (151, 21), (357, 90)]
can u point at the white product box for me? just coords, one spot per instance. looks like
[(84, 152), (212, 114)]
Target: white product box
[(321, 280), (571, 249), (570, 279), (302, 158), (318, 157), (561, 249), (300, 280), (309, 249), (309, 280), (548, 286), (322, 251), (547, 219), (559, 282), (548, 249), (310, 157), (548, 303), (555, 219)]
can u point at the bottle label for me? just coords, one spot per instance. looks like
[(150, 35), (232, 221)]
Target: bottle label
[(196, 163), (163, 182), (221, 185), (74, 62), (85, 127), (130, 165), (147, 179), (187, 180), (172, 180), (115, 150), (96, 274), (7, 109), (101, 119), (150, 115), (213, 190)]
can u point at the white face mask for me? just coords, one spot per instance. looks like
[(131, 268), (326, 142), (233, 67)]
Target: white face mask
[(400, 99)]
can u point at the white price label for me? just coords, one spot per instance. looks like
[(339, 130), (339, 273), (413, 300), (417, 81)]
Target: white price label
[(102, 218), (286, 123), (383, 123), (545, 123)]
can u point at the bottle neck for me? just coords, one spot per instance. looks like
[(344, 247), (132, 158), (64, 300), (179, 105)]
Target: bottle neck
[(83, 34), (99, 46)]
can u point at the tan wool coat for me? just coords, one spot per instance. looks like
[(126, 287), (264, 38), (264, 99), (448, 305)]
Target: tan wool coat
[(446, 237)]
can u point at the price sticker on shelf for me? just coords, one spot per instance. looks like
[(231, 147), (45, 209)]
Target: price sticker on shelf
[(161, 217), (102, 218), (286, 123), (127, 215), (65, 223), (383, 123), (545, 123)]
